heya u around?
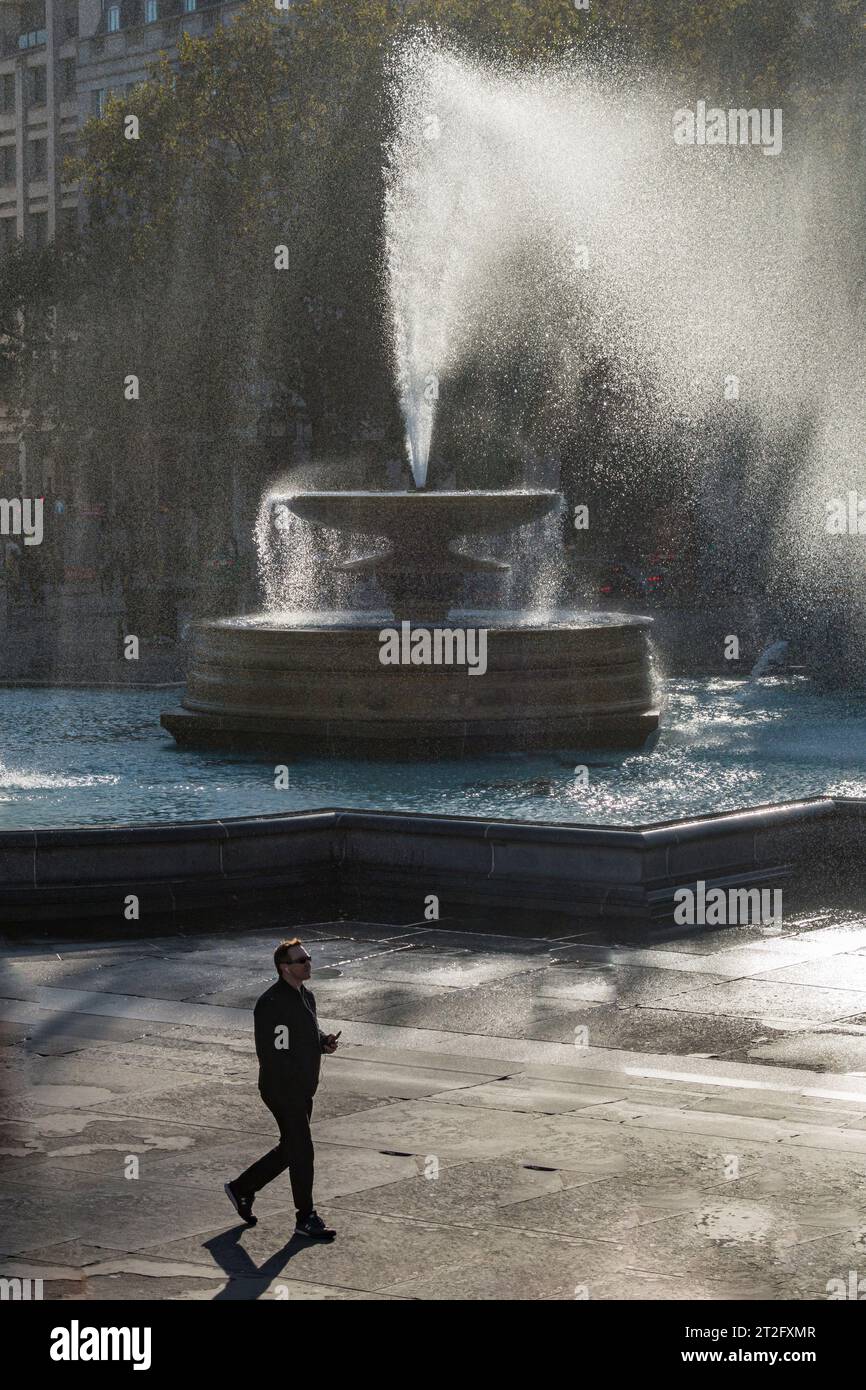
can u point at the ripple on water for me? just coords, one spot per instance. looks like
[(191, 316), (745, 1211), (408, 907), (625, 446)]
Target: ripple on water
[(78, 757)]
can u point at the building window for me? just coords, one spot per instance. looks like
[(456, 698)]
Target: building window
[(7, 93), (71, 18), (151, 11), (7, 163), (34, 38), (68, 77), (38, 86), (69, 223), (8, 232), (38, 158), (113, 19), (32, 29), (189, 5), (97, 101), (38, 228), (68, 150)]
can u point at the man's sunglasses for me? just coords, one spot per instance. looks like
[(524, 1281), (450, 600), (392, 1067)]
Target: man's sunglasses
[(304, 960)]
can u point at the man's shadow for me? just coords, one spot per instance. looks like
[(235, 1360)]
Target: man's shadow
[(248, 1281)]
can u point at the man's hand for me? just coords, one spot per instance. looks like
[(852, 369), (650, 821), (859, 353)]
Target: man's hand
[(329, 1042)]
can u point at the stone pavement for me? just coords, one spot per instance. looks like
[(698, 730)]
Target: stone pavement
[(509, 1117)]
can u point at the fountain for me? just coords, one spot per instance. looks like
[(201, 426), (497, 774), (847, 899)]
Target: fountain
[(318, 682), (568, 681)]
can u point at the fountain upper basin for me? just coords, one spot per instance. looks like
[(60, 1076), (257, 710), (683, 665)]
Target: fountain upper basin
[(420, 567), (437, 516)]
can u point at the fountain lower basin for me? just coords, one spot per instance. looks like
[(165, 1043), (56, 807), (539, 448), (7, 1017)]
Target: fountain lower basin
[(583, 681)]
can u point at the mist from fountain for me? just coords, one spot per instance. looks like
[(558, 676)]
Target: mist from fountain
[(720, 283), (295, 565)]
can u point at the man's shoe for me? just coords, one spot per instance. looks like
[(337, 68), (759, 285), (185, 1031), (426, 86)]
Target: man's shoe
[(242, 1205), (313, 1227)]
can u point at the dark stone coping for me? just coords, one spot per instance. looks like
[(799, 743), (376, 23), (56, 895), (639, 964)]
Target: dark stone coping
[(171, 832), (355, 862)]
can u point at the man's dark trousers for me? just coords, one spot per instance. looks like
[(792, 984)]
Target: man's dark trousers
[(289, 1045), (292, 1113)]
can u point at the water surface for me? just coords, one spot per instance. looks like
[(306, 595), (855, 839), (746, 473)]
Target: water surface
[(99, 757)]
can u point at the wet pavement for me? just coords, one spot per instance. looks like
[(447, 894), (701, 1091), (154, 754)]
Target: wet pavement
[(509, 1116)]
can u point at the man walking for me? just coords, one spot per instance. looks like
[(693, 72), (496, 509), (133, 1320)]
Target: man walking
[(289, 1045)]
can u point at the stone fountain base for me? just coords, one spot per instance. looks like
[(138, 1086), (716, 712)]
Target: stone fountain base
[(252, 683)]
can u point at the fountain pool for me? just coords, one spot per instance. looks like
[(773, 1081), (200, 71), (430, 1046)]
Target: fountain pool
[(98, 757)]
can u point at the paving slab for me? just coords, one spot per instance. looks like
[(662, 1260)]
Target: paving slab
[(45, 1001), (846, 936), (786, 1109), (577, 981), (455, 967), (225, 1105), (229, 1105), (675, 1029), (520, 1094), (372, 1252), (353, 997), (823, 1268), (396, 1081), (118, 1076), (48, 1031), (843, 971), (437, 1128), (679, 1121), (337, 1171), (639, 986), (510, 1011), (470, 1192), (767, 999), (96, 1142), (128, 1215), (447, 939), (176, 977), (554, 1269), (417, 1059), (508, 1195), (181, 1059)]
